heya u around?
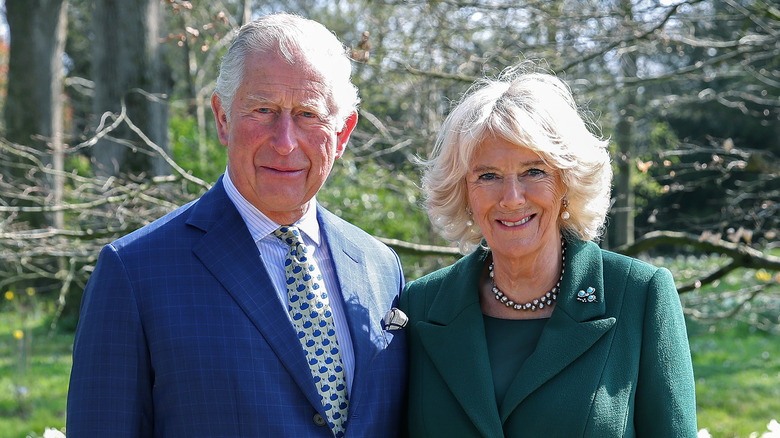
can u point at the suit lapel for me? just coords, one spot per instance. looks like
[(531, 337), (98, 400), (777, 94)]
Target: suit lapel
[(360, 304), (229, 253), (572, 329), (454, 339)]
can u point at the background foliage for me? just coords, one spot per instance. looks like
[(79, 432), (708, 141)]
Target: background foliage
[(687, 91)]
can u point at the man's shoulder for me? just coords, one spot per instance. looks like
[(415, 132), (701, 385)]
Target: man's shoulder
[(158, 228), (194, 215), (337, 226)]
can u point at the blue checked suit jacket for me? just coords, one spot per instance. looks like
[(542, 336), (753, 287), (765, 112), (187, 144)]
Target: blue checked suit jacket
[(182, 335)]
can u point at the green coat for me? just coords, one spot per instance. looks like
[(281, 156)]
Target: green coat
[(617, 367)]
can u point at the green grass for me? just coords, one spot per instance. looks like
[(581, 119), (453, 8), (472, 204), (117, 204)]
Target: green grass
[(737, 373), (34, 383)]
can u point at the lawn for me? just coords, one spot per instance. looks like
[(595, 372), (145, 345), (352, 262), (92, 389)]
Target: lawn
[(34, 374), (737, 371)]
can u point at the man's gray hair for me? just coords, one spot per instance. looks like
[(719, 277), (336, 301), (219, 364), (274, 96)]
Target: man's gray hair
[(291, 36)]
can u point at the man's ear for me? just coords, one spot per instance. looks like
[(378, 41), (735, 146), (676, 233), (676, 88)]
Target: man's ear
[(220, 114), (343, 136)]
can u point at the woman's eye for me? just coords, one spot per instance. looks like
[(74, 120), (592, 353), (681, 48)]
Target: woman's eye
[(487, 176), (536, 172)]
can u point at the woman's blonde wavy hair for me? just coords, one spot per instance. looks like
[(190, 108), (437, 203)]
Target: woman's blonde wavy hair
[(532, 110)]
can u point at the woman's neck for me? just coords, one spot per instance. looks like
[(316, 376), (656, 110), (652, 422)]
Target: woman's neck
[(521, 280)]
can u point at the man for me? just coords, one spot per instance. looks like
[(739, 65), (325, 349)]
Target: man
[(192, 326)]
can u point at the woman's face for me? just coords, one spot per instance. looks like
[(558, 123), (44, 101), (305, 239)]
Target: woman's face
[(515, 199)]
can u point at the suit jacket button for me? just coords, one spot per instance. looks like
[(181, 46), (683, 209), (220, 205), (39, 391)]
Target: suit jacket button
[(319, 420)]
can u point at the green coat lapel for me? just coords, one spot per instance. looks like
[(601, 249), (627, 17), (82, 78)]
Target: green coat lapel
[(454, 338), (455, 341), (572, 329)]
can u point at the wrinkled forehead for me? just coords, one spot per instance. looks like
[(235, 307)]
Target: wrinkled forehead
[(328, 66), (299, 75)]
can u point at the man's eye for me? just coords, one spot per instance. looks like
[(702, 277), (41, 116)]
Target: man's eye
[(264, 110), (309, 114)]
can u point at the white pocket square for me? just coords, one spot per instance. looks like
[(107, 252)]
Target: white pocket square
[(394, 320)]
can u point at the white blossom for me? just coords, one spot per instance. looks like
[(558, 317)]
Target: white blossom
[(52, 433)]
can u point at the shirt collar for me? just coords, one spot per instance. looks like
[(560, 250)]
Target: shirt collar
[(260, 225)]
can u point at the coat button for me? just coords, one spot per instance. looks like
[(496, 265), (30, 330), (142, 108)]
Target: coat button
[(319, 420)]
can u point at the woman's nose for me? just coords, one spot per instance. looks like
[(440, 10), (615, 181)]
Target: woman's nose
[(513, 194)]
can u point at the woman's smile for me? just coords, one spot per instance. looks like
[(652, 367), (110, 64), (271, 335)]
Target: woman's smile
[(520, 222)]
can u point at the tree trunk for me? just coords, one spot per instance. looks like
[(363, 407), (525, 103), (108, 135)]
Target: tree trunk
[(128, 69), (33, 106), (623, 210), (622, 230)]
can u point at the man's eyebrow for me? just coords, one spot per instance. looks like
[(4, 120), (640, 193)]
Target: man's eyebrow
[(258, 98), (313, 103)]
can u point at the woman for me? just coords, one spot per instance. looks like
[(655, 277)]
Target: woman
[(538, 332)]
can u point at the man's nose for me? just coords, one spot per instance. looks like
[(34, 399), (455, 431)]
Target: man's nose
[(284, 139)]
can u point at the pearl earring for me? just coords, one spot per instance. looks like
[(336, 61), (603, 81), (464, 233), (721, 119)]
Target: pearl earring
[(565, 215), (469, 222)]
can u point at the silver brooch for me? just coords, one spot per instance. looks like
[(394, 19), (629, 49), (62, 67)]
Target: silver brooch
[(587, 296)]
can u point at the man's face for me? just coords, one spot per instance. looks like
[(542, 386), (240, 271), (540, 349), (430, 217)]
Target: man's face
[(281, 135)]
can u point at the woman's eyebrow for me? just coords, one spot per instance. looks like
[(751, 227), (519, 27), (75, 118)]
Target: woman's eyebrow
[(485, 167)]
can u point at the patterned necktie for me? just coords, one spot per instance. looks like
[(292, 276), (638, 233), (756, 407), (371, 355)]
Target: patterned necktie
[(309, 308)]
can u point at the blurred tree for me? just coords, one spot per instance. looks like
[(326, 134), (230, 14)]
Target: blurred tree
[(688, 92), (711, 89), (623, 210), (33, 105), (198, 37), (4, 51), (130, 77)]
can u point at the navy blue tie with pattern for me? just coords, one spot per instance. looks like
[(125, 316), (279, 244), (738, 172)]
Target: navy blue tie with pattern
[(309, 308)]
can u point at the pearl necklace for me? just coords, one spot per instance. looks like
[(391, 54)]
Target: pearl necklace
[(545, 300)]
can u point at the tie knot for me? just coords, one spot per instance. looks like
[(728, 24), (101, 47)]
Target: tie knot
[(290, 235)]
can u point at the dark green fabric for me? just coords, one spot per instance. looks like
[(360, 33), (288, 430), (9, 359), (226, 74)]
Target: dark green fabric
[(509, 343), (617, 367)]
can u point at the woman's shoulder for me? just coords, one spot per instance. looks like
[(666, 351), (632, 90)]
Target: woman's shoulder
[(425, 288), (430, 279), (460, 267), (637, 275), (616, 267), (584, 252), (634, 266)]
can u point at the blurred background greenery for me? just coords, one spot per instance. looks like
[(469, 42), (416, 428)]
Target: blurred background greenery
[(105, 127)]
